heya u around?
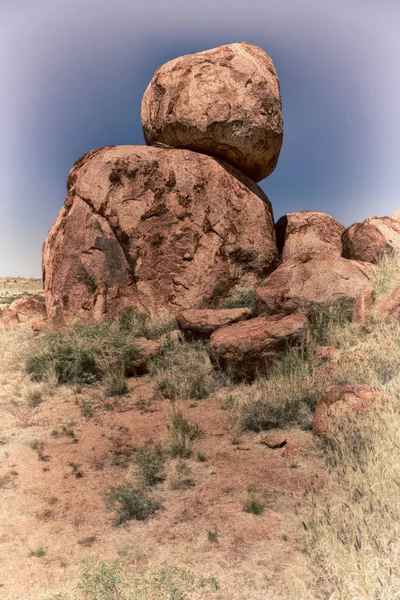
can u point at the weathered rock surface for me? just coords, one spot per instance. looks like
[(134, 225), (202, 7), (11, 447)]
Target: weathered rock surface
[(249, 347), (201, 323), (29, 309), (396, 214), (146, 228), (224, 102), (305, 286), (339, 401), (371, 239), (147, 350), (8, 317), (389, 307), (306, 234)]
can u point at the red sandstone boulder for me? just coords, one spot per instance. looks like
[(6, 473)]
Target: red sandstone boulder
[(249, 347), (305, 286), (29, 309), (147, 349), (8, 317), (201, 323), (371, 239), (340, 401), (224, 102), (149, 228), (306, 234)]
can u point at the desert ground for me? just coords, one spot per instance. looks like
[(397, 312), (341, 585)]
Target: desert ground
[(227, 506)]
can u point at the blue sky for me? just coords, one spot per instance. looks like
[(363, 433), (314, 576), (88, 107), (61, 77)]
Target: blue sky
[(73, 74)]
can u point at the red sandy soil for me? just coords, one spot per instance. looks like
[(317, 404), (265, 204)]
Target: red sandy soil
[(44, 505)]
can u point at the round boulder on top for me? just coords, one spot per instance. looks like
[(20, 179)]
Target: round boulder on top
[(147, 228), (371, 239), (307, 233), (224, 102), (322, 281)]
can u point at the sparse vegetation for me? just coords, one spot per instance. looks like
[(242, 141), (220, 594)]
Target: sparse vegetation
[(150, 462), (245, 298), (38, 446), (181, 435), (182, 478), (130, 503), (353, 524), (38, 552), (184, 372), (251, 503)]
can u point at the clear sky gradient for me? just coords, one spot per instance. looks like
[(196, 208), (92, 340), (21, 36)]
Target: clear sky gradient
[(73, 73)]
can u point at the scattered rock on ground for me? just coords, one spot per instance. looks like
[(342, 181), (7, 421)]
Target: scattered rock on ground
[(201, 323), (306, 286), (372, 238), (149, 228), (345, 400), (29, 309), (249, 347), (224, 102), (306, 234)]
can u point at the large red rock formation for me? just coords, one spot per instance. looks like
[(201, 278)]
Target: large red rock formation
[(371, 239), (306, 234), (249, 347), (304, 286), (224, 102), (148, 228)]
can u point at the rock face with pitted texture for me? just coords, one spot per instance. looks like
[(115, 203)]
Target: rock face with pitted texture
[(305, 234), (148, 228), (224, 102), (305, 286), (249, 347), (371, 239)]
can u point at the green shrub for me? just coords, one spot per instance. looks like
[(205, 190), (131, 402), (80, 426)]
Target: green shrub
[(88, 353), (130, 503)]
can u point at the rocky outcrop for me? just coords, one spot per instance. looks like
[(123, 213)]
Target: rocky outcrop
[(223, 102), (306, 234), (340, 401), (29, 309), (147, 228), (250, 347), (201, 323), (396, 214), (369, 240), (305, 286)]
